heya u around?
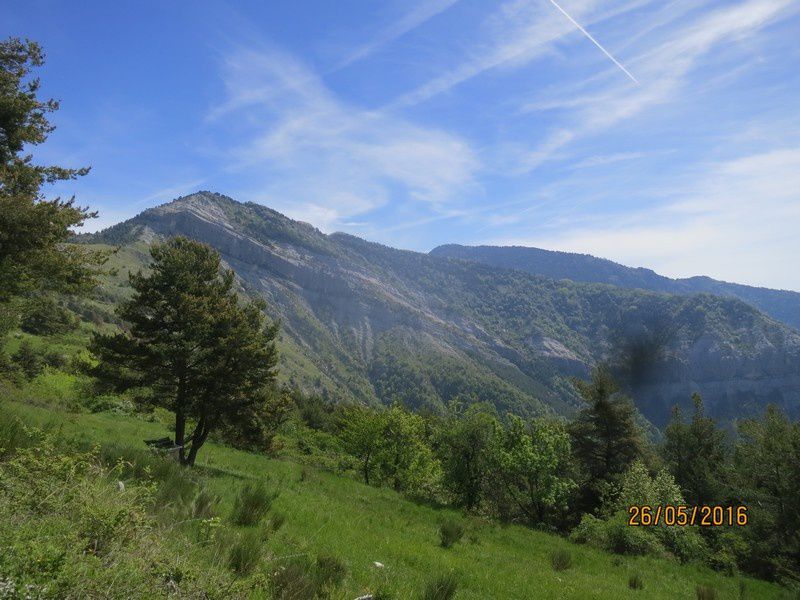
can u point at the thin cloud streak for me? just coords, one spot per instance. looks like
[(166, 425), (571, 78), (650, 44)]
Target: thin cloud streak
[(415, 18)]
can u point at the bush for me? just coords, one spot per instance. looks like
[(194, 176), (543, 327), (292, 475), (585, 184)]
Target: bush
[(561, 560), (44, 316), (443, 587), (705, 592), (28, 360), (450, 532), (54, 359), (245, 552), (252, 504), (635, 582), (614, 535)]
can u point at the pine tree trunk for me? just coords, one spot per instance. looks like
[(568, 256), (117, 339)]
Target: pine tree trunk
[(180, 434)]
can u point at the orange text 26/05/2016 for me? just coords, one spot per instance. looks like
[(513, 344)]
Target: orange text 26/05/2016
[(643, 515)]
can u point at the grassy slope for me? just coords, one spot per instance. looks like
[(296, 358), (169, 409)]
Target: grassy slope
[(330, 514)]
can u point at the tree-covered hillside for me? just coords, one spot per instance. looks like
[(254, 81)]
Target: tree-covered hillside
[(376, 324), (781, 305)]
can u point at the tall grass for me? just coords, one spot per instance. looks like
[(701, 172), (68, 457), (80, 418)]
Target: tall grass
[(252, 504), (443, 587), (245, 552)]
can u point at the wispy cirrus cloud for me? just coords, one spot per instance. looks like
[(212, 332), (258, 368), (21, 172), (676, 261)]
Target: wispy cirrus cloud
[(417, 16), (321, 156), (663, 70), (516, 34), (736, 221)]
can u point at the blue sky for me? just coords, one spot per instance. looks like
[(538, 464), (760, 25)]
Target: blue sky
[(416, 123)]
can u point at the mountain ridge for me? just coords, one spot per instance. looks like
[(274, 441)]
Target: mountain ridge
[(370, 323), (782, 305)]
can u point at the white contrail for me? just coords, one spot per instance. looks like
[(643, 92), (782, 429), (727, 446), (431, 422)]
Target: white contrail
[(595, 42)]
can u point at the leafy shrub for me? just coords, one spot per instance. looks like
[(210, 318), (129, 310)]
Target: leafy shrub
[(55, 359), (614, 535), (252, 504), (450, 532), (245, 552), (44, 316), (635, 582), (561, 560), (28, 360), (443, 587)]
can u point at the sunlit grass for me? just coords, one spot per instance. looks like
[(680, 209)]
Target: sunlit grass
[(330, 515)]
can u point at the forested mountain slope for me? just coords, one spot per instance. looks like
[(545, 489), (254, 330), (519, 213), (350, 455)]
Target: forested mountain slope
[(781, 305), (366, 322)]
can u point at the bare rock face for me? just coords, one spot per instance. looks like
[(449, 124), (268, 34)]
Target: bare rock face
[(367, 322)]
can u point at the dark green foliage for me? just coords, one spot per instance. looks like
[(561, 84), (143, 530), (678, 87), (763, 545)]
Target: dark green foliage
[(28, 359), (33, 230), (245, 552), (697, 455), (255, 431), (443, 587), (635, 582), (450, 532), (561, 560), (41, 315), (605, 437), (466, 449), (55, 359), (705, 592), (190, 346), (252, 504), (767, 464)]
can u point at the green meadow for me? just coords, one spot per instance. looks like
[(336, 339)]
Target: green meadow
[(324, 514)]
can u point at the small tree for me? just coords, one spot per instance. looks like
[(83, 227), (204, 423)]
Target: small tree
[(189, 345), (767, 463), (697, 455), (465, 447), (532, 468), (605, 437), (363, 436), (28, 360)]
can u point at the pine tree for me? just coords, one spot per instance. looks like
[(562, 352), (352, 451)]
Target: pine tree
[(28, 360), (696, 455), (33, 230), (189, 345), (605, 437)]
